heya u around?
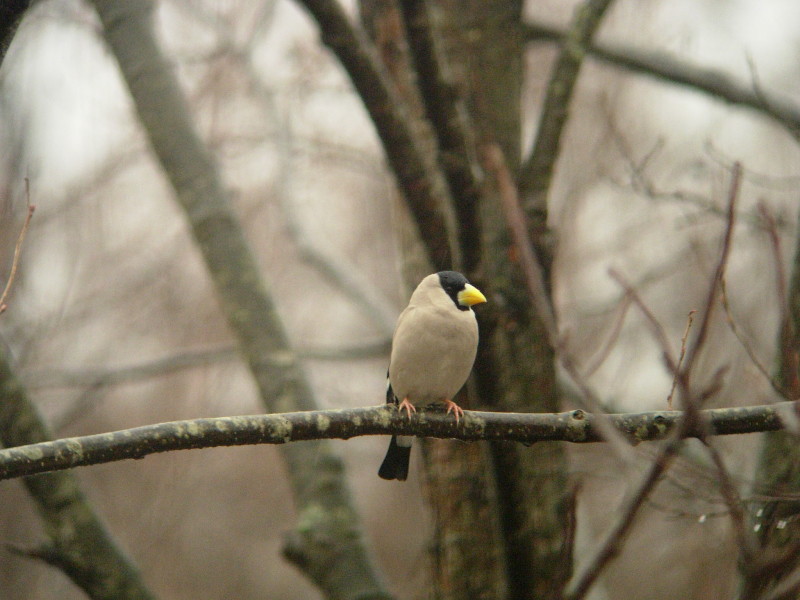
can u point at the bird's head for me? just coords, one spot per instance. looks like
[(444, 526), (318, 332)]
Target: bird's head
[(461, 291)]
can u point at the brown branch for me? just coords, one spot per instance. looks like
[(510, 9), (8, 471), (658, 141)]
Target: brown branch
[(537, 172), (575, 426), (605, 348), (667, 68), (17, 251), (657, 329), (746, 543), (422, 185), (689, 321), (788, 337), (447, 111), (515, 220), (718, 275), (691, 419), (737, 332), (614, 540)]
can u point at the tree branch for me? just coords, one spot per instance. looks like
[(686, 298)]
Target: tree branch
[(446, 109), (667, 68), (78, 542), (575, 426), (537, 172), (331, 534), (188, 359), (423, 186)]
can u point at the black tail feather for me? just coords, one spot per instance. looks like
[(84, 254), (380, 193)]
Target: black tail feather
[(395, 465)]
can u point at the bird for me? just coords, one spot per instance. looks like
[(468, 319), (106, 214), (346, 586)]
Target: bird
[(433, 349)]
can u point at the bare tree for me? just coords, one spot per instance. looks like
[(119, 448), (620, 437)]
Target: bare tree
[(632, 231)]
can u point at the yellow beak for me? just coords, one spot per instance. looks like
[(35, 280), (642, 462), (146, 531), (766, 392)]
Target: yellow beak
[(470, 295)]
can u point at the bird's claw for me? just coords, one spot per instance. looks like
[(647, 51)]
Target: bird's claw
[(455, 409), (407, 406)]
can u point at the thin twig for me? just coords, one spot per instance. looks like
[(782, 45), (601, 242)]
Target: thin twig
[(689, 321), (691, 417), (495, 162), (719, 274), (788, 342), (733, 500), (605, 349), (568, 547), (748, 348), (616, 537), (18, 248), (534, 278), (656, 328)]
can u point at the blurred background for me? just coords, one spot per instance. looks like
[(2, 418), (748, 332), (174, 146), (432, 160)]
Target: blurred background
[(113, 321)]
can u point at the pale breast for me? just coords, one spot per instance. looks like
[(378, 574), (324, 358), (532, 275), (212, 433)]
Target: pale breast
[(432, 353)]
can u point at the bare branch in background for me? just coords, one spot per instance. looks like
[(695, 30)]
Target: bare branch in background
[(339, 271), (190, 359), (691, 418), (78, 541), (336, 269), (788, 336), (316, 474), (447, 111), (745, 541), (414, 165), (655, 327), (605, 348), (533, 274), (681, 356), (614, 540), (17, 249), (537, 172), (718, 276), (575, 426), (667, 68), (788, 352)]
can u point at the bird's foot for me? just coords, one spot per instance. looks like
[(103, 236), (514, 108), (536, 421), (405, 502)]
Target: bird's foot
[(455, 409), (407, 406)]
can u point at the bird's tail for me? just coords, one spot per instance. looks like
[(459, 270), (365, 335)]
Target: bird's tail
[(390, 397), (395, 465)]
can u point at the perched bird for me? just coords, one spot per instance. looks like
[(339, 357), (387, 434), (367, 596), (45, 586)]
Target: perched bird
[(433, 348)]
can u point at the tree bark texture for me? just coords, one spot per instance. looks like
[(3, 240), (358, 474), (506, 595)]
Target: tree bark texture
[(458, 481), (515, 357)]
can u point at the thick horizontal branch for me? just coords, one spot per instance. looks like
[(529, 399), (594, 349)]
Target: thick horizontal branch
[(575, 426)]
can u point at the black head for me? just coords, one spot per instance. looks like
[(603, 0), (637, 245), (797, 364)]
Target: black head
[(453, 282)]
